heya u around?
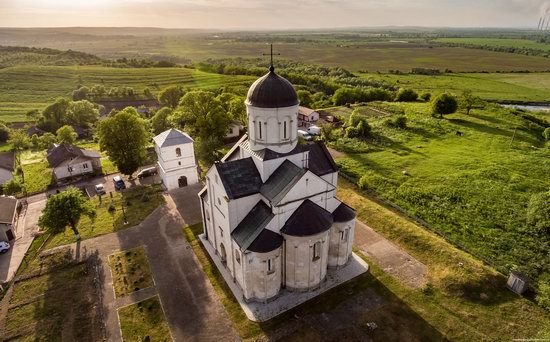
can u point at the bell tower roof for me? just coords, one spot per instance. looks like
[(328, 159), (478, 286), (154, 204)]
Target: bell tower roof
[(272, 91)]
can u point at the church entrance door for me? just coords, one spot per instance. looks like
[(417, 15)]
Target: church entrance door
[(223, 253), (182, 181)]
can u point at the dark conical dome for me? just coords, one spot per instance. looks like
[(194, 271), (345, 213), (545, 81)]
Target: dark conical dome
[(272, 91)]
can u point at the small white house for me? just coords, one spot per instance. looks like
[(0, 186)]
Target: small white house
[(7, 166), (307, 116), (176, 159), (8, 217), (69, 161), (234, 130)]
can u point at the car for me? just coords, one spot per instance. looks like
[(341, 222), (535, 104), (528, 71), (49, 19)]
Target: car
[(314, 130), (119, 183), (100, 189), (147, 172), (305, 135), (4, 247)]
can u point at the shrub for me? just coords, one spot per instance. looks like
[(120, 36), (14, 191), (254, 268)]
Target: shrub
[(406, 95), (546, 134), (425, 97), (352, 132), (543, 292), (400, 122), (444, 104), (12, 187)]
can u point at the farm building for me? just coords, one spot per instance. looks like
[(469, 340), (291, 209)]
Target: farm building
[(7, 166), (269, 206), (234, 130), (69, 161), (307, 116)]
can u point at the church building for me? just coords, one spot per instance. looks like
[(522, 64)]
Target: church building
[(269, 207)]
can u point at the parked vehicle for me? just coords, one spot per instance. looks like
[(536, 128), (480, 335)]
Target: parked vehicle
[(147, 172), (119, 183), (4, 247), (314, 130), (305, 135), (100, 189)]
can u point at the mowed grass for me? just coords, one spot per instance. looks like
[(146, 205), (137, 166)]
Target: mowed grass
[(38, 176), (144, 321), (475, 188), (130, 270), (24, 88), (464, 300), (497, 42), (139, 202), (495, 86)]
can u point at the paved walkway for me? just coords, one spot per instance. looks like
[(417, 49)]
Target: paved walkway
[(190, 303), (389, 257), (26, 228)]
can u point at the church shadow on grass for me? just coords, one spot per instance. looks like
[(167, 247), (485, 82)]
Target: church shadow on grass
[(343, 313)]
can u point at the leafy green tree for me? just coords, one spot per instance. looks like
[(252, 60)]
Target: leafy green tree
[(538, 214), (82, 113), (305, 98), (125, 136), (12, 187), (170, 96), (35, 141), (55, 115), (208, 149), (425, 97), (4, 132), (160, 121), (147, 93), (19, 140), (469, 101), (66, 135), (47, 140), (345, 95), (237, 111), (444, 104), (406, 95), (65, 210), (327, 132)]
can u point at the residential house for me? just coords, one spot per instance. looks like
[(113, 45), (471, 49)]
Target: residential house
[(234, 130), (69, 161), (8, 218), (307, 116)]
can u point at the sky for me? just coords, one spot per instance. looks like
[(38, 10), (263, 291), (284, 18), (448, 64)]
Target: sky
[(271, 14)]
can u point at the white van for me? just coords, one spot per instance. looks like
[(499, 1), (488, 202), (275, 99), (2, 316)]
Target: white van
[(305, 135), (314, 130)]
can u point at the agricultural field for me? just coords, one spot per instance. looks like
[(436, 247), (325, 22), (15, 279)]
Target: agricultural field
[(473, 186), (492, 86), (497, 42), (26, 88)]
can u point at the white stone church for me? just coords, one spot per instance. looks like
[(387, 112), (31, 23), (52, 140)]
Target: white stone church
[(269, 206)]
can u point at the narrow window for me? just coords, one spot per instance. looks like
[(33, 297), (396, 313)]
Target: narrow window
[(219, 201), (178, 152), (316, 251), (270, 268), (284, 130), (70, 169), (221, 231), (344, 235), (238, 256), (260, 130), (85, 166)]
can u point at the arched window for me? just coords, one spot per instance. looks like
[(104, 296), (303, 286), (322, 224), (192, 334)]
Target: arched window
[(285, 135), (178, 152), (260, 130)]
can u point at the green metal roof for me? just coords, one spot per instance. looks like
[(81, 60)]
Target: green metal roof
[(252, 225)]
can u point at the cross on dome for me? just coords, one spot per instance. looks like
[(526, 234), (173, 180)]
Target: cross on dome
[(271, 67)]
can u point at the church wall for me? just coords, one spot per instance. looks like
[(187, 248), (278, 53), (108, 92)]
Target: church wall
[(341, 243), (239, 260), (303, 270), (239, 208), (170, 179), (331, 178), (169, 159), (308, 186), (265, 128), (261, 284), (269, 166)]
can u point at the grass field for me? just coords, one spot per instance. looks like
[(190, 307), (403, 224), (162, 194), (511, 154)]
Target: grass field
[(474, 188), (144, 321), (33, 87), (130, 271), (497, 42), (139, 202), (494, 86)]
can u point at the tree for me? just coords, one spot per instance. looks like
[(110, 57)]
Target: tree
[(170, 96), (66, 135), (345, 95), (444, 104), (543, 291), (82, 113), (546, 134), (237, 111), (54, 115), (65, 210), (538, 214), (469, 101), (160, 121), (406, 95), (47, 140), (12, 187), (125, 136), (207, 149), (19, 140), (425, 97), (4, 132), (327, 132), (305, 98)]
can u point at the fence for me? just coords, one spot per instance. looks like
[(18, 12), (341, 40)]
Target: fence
[(394, 207)]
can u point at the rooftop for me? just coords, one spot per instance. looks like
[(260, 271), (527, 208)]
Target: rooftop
[(8, 206), (309, 219), (252, 226), (63, 152), (272, 91), (240, 177), (7, 161), (281, 181), (172, 137)]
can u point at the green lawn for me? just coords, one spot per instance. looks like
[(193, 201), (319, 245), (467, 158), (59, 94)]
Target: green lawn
[(38, 176), (516, 86), (144, 321), (474, 188), (130, 270), (139, 202), (24, 88)]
